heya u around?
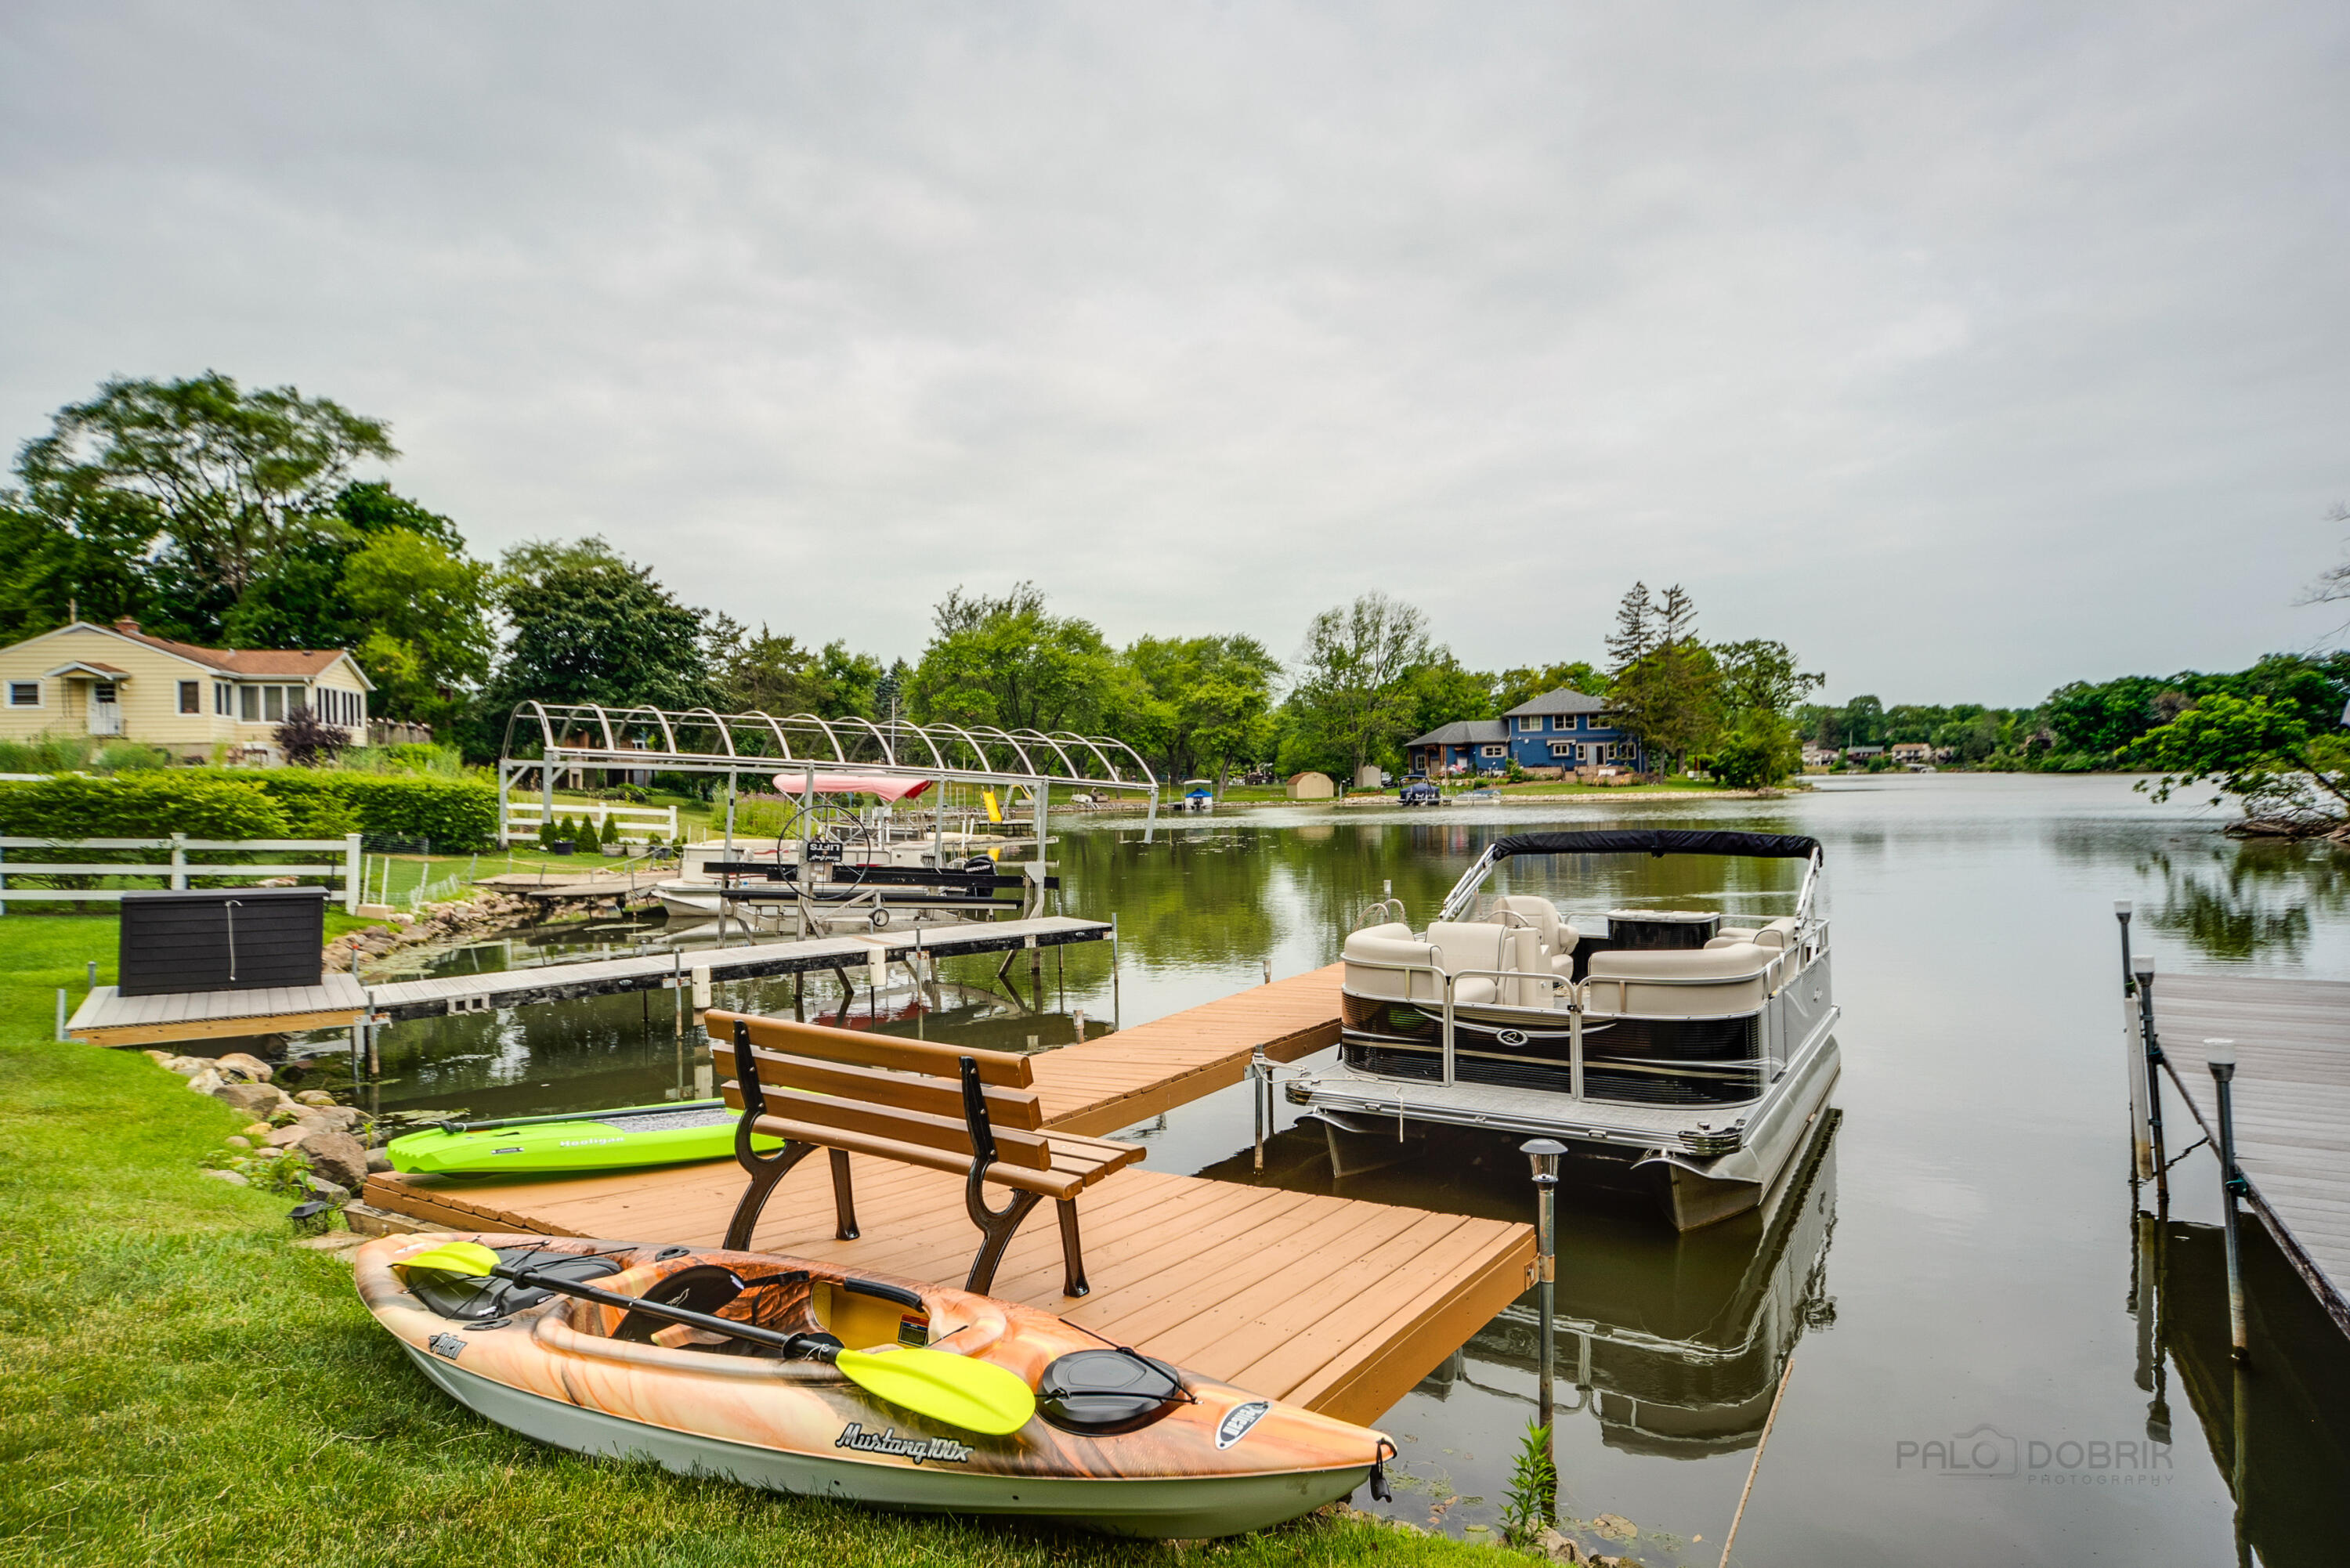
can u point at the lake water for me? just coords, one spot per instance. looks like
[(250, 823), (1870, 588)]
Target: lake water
[(1955, 1261)]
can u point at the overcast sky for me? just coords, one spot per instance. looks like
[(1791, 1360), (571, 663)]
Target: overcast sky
[(1969, 347)]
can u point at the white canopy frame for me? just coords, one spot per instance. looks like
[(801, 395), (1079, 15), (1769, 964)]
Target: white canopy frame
[(549, 737)]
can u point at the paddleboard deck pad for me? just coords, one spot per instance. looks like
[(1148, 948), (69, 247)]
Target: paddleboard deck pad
[(630, 1137)]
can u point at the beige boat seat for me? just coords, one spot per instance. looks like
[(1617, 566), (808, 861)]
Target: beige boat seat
[(1371, 955), (1462, 945), (1730, 934), (1711, 981), (1557, 938)]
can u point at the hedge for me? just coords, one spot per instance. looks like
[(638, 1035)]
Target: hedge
[(278, 803)]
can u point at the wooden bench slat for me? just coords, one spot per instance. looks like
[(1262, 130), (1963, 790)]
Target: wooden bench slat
[(1018, 1108), (1051, 1183), (949, 1136), (1002, 1068)]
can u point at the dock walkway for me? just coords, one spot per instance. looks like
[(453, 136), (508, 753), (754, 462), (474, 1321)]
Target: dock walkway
[(2292, 1098), (108, 1018), (1331, 1302)]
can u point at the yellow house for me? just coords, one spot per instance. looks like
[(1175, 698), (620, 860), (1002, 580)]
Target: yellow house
[(118, 681)]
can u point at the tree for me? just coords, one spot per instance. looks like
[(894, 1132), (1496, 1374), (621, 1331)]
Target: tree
[(1009, 663), (424, 610), (1442, 692), (1760, 676), (1199, 703), (87, 560), (589, 627), (768, 673), (1759, 689), (218, 473), (2288, 780), (1517, 686), (1666, 687), (1352, 696), (1864, 722)]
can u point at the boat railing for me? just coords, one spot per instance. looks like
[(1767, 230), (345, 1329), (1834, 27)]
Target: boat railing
[(1392, 908)]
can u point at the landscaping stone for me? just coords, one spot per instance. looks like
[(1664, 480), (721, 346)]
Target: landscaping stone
[(1558, 1548), (257, 1130), (187, 1066), (287, 1136), (235, 1141), (338, 1157), (253, 1099), (205, 1082), (1615, 1527), (251, 1067), (332, 1191), (313, 1097), (378, 1162), (231, 1176)]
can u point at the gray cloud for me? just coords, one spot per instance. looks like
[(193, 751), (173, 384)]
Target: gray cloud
[(1970, 347)]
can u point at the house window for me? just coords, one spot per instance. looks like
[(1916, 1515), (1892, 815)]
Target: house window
[(249, 704), (273, 704), (104, 691), (1528, 726), (1568, 720), (1562, 749), (223, 700), (1494, 751), (23, 693), (191, 697)]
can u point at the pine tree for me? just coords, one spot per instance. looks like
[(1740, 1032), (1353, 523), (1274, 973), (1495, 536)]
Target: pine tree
[(1636, 629), (1676, 619)]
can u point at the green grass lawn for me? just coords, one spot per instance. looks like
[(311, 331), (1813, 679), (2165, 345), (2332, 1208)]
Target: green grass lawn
[(182, 1387)]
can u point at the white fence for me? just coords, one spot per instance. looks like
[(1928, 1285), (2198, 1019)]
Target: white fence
[(336, 859), (523, 818)]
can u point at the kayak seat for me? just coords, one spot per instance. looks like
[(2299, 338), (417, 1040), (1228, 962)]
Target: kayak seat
[(969, 1113), (779, 1301)]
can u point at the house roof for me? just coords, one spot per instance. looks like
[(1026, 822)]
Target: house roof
[(1464, 732), (1564, 701), (296, 663), (89, 667)]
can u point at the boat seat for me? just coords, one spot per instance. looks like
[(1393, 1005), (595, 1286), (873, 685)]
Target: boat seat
[(969, 1113), (1465, 945), (1711, 981), (1385, 962)]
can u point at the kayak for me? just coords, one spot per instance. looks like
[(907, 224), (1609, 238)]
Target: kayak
[(1119, 1442), (621, 1140)]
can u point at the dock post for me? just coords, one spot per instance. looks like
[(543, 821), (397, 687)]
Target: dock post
[(1543, 1153), (2149, 1133), (2142, 1162), (2219, 1056), (61, 1012), (1114, 1016), (1260, 1077)]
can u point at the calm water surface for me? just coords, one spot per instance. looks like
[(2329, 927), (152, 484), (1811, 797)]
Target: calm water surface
[(1953, 1259)]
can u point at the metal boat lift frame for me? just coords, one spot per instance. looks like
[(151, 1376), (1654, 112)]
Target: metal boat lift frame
[(702, 741)]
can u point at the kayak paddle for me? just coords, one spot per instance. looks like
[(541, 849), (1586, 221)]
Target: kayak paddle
[(976, 1396)]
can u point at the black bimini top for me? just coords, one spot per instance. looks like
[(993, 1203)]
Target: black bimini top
[(1658, 841)]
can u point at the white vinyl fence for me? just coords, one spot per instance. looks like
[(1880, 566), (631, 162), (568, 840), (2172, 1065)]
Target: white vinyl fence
[(330, 860)]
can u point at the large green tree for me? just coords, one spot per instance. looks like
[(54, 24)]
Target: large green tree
[(1007, 661), (767, 672), (1666, 688), (1516, 686), (218, 475), (1201, 703), (589, 627), (2288, 778), (424, 608), (1354, 697), (1761, 686)]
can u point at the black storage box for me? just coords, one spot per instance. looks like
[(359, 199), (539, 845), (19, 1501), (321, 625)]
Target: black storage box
[(222, 939)]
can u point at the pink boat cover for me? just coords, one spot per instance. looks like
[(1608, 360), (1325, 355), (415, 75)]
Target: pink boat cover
[(853, 783)]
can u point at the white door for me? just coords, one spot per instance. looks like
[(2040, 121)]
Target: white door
[(105, 709)]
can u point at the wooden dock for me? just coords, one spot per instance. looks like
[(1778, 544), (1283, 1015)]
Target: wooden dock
[(1331, 1302), (108, 1018), (2291, 1094)]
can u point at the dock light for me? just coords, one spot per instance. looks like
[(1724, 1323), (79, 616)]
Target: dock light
[(1543, 1154), (2219, 1056)]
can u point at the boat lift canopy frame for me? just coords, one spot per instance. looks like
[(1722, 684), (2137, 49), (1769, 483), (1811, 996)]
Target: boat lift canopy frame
[(702, 741)]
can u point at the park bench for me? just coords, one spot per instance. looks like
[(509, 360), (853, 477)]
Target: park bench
[(969, 1113)]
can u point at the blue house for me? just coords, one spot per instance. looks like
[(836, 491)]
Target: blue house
[(1555, 733)]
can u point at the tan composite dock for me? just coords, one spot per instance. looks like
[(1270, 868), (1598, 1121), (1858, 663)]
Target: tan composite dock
[(1331, 1302), (2291, 1096)]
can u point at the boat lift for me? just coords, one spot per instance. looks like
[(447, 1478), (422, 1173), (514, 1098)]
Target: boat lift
[(848, 754)]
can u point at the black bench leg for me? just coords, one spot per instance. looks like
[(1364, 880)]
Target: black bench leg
[(844, 1199), (997, 1229), (765, 1171), (1073, 1257)]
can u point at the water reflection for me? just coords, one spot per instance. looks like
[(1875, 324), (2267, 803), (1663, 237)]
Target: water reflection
[(2237, 902), (2277, 1426)]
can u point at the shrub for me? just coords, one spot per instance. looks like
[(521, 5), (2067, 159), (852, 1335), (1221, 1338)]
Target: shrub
[(45, 754), (437, 762), (547, 833), (308, 741), (129, 756), (611, 834), (457, 813), (150, 804)]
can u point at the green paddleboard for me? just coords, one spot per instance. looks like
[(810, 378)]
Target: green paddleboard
[(622, 1139)]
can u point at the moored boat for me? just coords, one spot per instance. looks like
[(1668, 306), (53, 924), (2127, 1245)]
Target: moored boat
[(1118, 1442)]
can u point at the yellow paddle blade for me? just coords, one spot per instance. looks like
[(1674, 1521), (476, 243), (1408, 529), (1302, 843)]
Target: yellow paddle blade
[(977, 1396), (453, 1257)]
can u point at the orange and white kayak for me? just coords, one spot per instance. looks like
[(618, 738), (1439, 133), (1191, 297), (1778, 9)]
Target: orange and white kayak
[(1119, 1442)]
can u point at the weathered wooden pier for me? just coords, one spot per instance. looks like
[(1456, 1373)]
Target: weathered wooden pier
[(106, 1017), (1331, 1302), (2291, 1089)]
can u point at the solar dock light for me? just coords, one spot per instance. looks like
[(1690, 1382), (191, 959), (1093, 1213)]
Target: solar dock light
[(1543, 1154), (2219, 1056)]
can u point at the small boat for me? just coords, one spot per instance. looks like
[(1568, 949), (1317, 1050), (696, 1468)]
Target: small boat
[(627, 1139), (1119, 1442)]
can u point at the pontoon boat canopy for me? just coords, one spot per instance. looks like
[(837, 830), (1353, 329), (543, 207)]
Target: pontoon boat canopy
[(1655, 841), (853, 783)]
